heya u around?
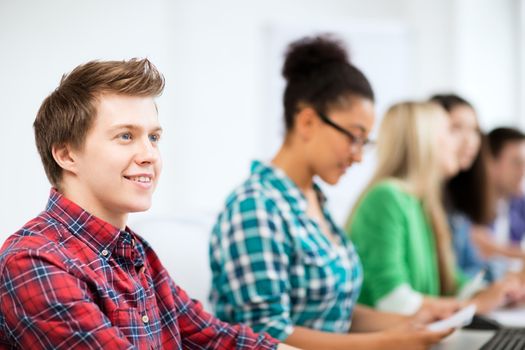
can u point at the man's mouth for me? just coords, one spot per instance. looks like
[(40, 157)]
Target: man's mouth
[(140, 178)]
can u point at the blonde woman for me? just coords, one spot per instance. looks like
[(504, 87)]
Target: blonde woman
[(399, 225)]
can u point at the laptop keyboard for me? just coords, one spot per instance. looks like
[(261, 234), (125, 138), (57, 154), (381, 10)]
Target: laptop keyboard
[(506, 339)]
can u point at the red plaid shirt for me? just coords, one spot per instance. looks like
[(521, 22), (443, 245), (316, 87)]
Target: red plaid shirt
[(72, 281)]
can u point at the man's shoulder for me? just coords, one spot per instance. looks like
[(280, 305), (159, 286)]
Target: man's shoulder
[(41, 234)]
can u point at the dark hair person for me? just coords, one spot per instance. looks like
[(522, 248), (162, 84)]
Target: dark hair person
[(502, 242), (470, 200), (468, 197), (280, 263)]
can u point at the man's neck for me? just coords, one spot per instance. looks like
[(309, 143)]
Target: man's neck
[(503, 196), (91, 205)]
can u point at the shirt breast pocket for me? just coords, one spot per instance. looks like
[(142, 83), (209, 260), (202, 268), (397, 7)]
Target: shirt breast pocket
[(135, 325), (322, 272)]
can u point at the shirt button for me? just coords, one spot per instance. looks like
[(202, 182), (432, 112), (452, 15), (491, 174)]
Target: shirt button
[(145, 319), (105, 252)]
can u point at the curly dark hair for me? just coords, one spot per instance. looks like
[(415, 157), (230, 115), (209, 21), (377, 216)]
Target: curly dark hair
[(318, 72)]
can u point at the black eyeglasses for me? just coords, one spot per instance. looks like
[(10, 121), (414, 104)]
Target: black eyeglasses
[(356, 143)]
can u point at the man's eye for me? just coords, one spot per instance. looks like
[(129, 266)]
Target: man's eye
[(154, 138), (125, 136)]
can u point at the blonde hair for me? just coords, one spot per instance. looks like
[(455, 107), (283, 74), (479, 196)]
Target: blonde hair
[(408, 154)]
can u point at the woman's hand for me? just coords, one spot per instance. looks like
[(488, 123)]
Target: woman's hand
[(434, 309), (411, 332), (507, 290), (414, 337)]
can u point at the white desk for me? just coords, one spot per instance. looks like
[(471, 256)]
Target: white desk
[(464, 339)]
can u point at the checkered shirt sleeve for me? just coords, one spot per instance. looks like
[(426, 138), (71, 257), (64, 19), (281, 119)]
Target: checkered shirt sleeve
[(250, 241)]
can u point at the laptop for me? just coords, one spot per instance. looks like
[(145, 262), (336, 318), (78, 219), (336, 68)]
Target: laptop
[(505, 338)]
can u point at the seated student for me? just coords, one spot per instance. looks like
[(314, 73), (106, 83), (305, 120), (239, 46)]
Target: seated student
[(76, 277), (507, 168), (399, 224), (279, 262), (467, 197)]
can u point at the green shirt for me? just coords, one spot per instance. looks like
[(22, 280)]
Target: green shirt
[(395, 243)]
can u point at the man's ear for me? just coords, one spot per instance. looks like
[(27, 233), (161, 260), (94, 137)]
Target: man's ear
[(306, 123), (65, 157)]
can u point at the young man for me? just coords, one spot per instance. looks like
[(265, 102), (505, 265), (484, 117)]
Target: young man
[(507, 170), (76, 277), (507, 146)]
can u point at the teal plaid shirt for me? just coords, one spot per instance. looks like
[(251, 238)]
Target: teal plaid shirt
[(273, 268)]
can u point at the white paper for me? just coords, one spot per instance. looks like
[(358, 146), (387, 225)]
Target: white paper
[(473, 286), (510, 317), (461, 318)]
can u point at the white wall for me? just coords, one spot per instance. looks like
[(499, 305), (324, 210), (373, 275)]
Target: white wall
[(487, 55), (212, 54), (41, 40), (521, 58)]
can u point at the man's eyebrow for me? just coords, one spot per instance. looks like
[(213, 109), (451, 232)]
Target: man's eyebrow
[(124, 126), (133, 127)]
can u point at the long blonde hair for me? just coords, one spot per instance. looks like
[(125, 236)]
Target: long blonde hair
[(408, 154)]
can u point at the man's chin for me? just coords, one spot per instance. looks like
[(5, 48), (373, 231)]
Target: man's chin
[(139, 208)]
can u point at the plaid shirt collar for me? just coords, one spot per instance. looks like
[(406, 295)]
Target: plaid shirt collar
[(99, 235), (286, 186)]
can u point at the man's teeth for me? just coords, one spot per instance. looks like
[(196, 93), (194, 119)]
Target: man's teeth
[(141, 179)]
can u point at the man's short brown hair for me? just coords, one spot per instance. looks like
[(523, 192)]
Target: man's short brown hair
[(66, 115)]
